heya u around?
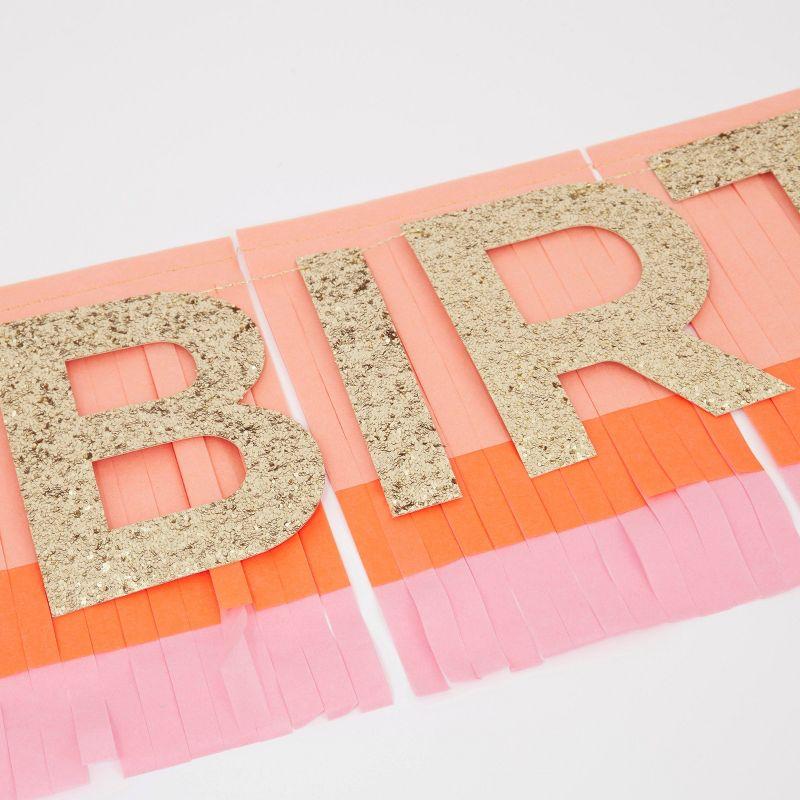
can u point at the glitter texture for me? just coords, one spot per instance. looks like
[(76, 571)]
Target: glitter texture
[(644, 329), (769, 146), (402, 440), (82, 561)]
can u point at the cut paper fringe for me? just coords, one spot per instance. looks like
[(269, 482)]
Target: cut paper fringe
[(244, 653), (751, 233), (158, 703), (673, 518)]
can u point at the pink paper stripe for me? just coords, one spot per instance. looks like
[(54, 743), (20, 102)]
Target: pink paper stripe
[(775, 518), (211, 648), (25, 749), (323, 656), (593, 577), (573, 606), (241, 677), (279, 722), (440, 625), (291, 668), (476, 630), (538, 608), (744, 522), (409, 638), (192, 694), (702, 579), (627, 572), (92, 725), (509, 625), (719, 543), (158, 704), (655, 552), (358, 651), (128, 722), (54, 716), (6, 775)]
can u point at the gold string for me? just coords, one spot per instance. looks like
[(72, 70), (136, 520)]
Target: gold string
[(221, 287)]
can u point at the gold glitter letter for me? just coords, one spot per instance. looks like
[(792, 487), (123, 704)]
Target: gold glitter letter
[(82, 561), (407, 453), (769, 146), (644, 329)]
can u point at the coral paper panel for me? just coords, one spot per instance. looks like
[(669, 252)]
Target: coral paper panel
[(241, 653), (674, 517)]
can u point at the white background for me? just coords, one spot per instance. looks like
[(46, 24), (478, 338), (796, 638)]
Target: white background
[(127, 127)]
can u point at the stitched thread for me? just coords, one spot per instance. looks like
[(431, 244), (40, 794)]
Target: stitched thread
[(273, 245)]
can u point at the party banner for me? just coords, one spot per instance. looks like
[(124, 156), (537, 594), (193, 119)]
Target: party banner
[(533, 392)]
